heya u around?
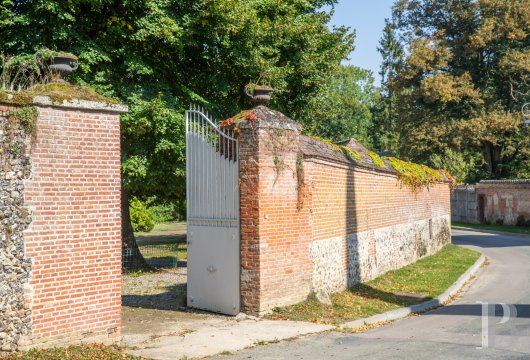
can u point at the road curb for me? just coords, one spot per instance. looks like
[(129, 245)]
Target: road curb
[(418, 308)]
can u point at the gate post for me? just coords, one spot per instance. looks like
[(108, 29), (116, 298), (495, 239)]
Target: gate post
[(274, 245)]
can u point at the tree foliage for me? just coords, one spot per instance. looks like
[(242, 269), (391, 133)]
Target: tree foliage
[(462, 84), (141, 216), (344, 109), (385, 121), (158, 56)]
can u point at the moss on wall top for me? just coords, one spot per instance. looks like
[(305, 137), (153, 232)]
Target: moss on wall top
[(412, 175), (57, 92), (341, 149), (376, 159)]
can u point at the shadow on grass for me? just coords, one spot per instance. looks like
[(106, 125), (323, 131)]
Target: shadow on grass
[(165, 262), (172, 299), (357, 302), (369, 292), (151, 239)]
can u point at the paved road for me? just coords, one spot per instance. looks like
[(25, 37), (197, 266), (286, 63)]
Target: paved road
[(452, 332)]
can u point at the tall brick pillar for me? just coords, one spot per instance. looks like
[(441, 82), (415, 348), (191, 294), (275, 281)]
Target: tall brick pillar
[(60, 223), (275, 231)]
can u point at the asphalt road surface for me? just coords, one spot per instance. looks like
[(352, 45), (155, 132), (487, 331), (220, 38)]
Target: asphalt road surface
[(451, 332)]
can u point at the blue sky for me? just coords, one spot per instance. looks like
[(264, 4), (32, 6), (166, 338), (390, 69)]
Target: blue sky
[(367, 17)]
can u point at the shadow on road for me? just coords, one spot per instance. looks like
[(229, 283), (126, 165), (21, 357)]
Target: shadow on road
[(491, 240), (522, 310)]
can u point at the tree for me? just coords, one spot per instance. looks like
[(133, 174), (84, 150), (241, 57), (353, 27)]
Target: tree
[(463, 81), (343, 110), (385, 120), (153, 159), (158, 56)]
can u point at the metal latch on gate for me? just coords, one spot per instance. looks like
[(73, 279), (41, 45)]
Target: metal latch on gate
[(211, 269)]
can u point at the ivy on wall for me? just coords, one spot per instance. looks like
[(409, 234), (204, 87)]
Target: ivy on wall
[(414, 176)]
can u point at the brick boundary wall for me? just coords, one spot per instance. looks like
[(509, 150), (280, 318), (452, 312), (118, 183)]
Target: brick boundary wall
[(504, 199), (314, 221), (73, 241)]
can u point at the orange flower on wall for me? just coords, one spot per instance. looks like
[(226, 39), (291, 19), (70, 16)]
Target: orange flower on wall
[(227, 122), (242, 116)]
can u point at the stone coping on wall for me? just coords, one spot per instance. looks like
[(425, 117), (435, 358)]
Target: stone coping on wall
[(506, 184), (468, 187), (313, 148), (77, 104)]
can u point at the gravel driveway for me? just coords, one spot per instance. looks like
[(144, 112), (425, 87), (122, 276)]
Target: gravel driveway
[(163, 290)]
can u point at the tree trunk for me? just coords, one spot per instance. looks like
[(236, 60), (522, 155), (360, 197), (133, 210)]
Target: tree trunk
[(132, 258), (497, 163), (488, 155)]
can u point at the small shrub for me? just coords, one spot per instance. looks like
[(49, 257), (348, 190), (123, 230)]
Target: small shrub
[(487, 222), (164, 212), (499, 222), (141, 216), (27, 115), (521, 221)]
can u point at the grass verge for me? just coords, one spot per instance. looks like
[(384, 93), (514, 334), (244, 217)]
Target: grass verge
[(504, 228), (75, 352), (164, 241), (413, 284)]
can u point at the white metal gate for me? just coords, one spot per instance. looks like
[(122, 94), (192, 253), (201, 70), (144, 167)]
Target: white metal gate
[(212, 165)]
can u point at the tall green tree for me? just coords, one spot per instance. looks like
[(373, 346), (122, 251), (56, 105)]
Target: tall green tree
[(385, 120), (158, 56), (343, 110), (463, 82)]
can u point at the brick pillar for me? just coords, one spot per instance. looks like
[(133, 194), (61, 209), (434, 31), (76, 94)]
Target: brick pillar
[(74, 240), (249, 208), (275, 231)]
